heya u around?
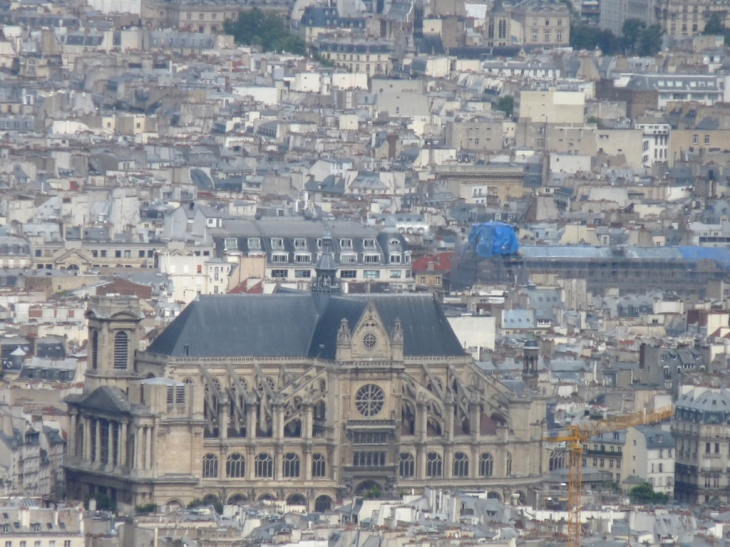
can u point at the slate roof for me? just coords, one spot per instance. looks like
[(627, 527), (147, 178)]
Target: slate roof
[(656, 437), (299, 325)]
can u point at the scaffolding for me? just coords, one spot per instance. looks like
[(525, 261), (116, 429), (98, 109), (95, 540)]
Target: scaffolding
[(630, 269)]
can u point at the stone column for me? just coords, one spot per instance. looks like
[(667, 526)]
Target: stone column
[(110, 443), (97, 447), (153, 444), (421, 422), (474, 462), (86, 448), (138, 447), (474, 420), (448, 462), (307, 463), (223, 417), (278, 421), (72, 435), (421, 461), (449, 425), (251, 421), (123, 444), (147, 447), (278, 462), (307, 421)]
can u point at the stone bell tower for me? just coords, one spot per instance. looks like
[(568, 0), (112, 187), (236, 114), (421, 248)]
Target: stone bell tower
[(530, 363), (115, 328)]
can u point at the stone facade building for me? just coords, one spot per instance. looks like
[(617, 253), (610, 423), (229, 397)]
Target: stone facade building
[(702, 451), (307, 396)]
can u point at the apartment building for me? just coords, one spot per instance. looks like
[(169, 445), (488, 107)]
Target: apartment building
[(604, 452), (702, 447), (655, 147), (540, 23), (292, 249), (371, 57), (649, 456)]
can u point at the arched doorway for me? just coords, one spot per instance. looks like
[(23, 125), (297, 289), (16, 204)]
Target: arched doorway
[(237, 499), (211, 499), (369, 489), (296, 499), (322, 504), (173, 505)]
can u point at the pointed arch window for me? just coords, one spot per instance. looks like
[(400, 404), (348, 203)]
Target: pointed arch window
[(95, 349), (210, 466), (264, 466), (235, 466), (502, 29), (407, 466), (121, 351), (461, 465), (486, 465), (291, 465), (434, 465), (319, 466)]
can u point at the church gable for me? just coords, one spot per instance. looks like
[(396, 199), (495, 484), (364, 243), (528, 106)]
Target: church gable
[(107, 399), (370, 338)]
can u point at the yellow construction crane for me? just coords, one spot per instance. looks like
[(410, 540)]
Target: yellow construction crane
[(575, 437)]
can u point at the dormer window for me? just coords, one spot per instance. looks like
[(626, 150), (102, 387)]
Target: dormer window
[(345, 244), (277, 243), (348, 258), (300, 243), (230, 244), (395, 258), (212, 222), (280, 258), (394, 242), (254, 244), (368, 243), (303, 258)]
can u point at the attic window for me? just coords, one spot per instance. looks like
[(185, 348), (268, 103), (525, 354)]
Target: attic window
[(277, 243), (254, 243), (230, 243)]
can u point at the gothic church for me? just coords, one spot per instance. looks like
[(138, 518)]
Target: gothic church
[(309, 397)]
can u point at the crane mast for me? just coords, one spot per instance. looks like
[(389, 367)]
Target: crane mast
[(576, 436)]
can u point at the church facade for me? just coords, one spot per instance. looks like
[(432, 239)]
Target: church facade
[(308, 397)]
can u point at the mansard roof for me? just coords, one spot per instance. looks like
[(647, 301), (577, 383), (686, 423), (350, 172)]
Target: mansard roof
[(299, 325)]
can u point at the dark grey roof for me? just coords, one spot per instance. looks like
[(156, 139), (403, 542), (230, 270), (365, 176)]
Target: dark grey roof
[(656, 437), (237, 325), (289, 325)]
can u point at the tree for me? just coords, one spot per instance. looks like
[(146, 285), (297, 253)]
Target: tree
[(256, 27), (104, 503), (584, 37), (714, 26), (650, 41), (644, 493), (631, 31), (507, 105)]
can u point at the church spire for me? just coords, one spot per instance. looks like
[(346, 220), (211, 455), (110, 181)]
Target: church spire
[(326, 281)]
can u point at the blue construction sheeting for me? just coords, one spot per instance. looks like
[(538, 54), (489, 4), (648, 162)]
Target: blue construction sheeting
[(493, 239), (720, 255)]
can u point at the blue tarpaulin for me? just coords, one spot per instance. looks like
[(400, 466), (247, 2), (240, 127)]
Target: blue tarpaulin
[(493, 239)]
